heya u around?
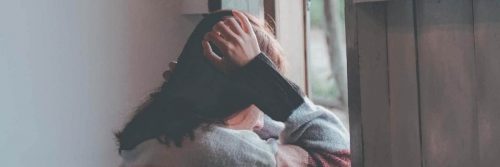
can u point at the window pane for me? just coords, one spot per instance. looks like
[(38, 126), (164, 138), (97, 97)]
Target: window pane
[(327, 59)]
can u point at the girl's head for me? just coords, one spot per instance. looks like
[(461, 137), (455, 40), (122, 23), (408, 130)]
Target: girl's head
[(151, 120)]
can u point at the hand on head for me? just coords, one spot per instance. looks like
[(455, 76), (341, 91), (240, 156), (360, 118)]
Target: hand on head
[(235, 37)]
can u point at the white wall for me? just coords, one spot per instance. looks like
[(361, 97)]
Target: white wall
[(71, 71)]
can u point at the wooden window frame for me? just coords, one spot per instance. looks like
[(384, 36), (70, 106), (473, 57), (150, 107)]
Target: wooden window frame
[(382, 82), (294, 13)]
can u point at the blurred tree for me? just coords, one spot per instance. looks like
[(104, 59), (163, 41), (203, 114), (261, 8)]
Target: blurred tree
[(335, 37)]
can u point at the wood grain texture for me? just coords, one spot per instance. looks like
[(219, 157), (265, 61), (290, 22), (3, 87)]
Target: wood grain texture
[(447, 82), (290, 26), (403, 85), (487, 40), (371, 20), (353, 80)]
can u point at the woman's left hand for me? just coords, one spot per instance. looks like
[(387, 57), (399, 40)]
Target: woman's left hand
[(237, 42)]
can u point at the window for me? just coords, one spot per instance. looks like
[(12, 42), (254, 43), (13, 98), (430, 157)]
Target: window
[(312, 33), (327, 66)]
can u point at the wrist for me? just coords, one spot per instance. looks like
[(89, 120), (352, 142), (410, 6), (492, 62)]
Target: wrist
[(274, 94), (249, 58)]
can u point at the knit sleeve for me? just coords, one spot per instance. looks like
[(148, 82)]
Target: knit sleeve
[(316, 132), (273, 94), (271, 129), (312, 135)]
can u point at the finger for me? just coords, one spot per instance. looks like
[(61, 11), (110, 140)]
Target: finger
[(210, 55), (234, 25), (226, 32), (217, 39), (245, 23), (220, 42)]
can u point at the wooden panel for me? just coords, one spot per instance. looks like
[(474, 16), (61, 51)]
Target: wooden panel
[(374, 83), (353, 80), (290, 26), (404, 106), (487, 36), (446, 77), (307, 28)]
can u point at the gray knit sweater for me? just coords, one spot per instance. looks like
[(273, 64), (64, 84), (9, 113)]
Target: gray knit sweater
[(310, 135), (313, 136)]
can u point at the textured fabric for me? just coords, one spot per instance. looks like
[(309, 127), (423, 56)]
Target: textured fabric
[(274, 94), (288, 154), (216, 146), (310, 136), (328, 159), (318, 132), (272, 129)]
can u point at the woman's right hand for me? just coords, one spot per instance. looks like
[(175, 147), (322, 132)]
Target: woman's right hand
[(237, 42)]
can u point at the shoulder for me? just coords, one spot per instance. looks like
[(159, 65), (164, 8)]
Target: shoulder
[(229, 147), (216, 146)]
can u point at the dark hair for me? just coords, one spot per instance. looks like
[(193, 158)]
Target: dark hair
[(158, 119)]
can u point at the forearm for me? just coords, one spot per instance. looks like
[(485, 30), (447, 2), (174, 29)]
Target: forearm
[(272, 93), (320, 133), (316, 131)]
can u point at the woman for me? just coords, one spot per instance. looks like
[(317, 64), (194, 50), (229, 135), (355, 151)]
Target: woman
[(243, 49)]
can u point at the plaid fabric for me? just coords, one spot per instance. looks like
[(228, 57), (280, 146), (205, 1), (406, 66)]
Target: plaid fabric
[(328, 159), (293, 156)]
